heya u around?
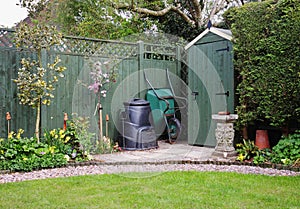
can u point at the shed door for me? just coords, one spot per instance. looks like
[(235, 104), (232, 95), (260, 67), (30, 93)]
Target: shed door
[(210, 77)]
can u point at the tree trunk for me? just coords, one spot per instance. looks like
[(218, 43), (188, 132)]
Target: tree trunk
[(37, 123), (285, 131), (245, 132)]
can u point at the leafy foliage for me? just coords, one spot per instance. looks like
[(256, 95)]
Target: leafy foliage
[(287, 151), (80, 126), (33, 7), (267, 58), (93, 18), (111, 19), (247, 150), (67, 142), (25, 154), (56, 148), (172, 23), (35, 82)]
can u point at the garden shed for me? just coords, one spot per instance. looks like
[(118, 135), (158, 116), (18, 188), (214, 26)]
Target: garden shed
[(211, 82)]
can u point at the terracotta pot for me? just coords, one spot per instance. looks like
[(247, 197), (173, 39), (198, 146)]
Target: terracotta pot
[(262, 139)]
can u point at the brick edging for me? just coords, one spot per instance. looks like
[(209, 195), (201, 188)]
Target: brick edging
[(180, 162)]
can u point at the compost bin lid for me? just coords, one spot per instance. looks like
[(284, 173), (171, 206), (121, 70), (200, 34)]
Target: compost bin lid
[(137, 102)]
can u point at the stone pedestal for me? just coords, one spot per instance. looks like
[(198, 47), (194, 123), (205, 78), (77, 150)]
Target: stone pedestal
[(224, 135)]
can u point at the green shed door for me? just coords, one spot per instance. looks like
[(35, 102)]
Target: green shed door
[(210, 77)]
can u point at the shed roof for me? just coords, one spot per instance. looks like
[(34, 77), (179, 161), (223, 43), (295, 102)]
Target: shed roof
[(226, 34)]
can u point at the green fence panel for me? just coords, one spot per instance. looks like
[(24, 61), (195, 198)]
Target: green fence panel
[(71, 94), (22, 117)]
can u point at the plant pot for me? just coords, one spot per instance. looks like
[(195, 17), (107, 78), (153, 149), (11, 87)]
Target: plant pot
[(262, 139)]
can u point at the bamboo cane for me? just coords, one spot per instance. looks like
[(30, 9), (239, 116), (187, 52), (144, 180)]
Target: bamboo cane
[(100, 122), (107, 119)]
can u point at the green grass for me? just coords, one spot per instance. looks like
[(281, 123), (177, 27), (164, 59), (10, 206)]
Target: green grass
[(166, 190)]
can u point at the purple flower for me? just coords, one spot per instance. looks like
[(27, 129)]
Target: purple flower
[(94, 87)]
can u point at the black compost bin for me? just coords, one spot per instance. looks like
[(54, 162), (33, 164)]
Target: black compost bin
[(137, 131), (138, 111)]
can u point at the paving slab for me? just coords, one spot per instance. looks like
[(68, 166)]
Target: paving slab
[(164, 152)]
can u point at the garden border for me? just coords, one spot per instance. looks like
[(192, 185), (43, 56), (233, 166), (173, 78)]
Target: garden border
[(180, 162)]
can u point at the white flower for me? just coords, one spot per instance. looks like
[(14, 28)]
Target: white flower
[(67, 157), (89, 157), (103, 92)]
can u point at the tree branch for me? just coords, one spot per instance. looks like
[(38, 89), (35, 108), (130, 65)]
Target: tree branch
[(197, 8), (184, 16), (156, 13), (153, 12)]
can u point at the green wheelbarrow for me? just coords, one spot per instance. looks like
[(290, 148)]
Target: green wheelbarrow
[(163, 109)]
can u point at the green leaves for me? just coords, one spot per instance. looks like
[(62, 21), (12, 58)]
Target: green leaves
[(37, 37), (25, 154), (267, 57), (287, 151), (35, 82)]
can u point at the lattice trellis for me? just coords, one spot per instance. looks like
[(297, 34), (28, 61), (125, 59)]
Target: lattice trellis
[(102, 48), (6, 38), (95, 47)]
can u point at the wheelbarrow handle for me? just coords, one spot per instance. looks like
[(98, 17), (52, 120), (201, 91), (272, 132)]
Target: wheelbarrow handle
[(167, 104)]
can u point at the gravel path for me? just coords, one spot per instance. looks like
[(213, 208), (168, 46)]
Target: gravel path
[(153, 168)]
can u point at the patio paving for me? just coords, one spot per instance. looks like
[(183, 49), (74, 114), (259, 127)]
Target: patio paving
[(164, 152)]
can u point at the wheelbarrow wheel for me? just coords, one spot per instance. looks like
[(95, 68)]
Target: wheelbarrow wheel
[(174, 129)]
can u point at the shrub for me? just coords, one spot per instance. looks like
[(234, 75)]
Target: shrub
[(247, 150), (266, 49), (287, 150), (80, 126), (67, 142), (25, 154)]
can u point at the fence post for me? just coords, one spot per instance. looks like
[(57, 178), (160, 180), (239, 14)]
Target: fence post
[(178, 61), (140, 64)]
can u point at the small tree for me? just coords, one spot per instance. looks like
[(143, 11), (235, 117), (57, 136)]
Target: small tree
[(102, 76), (35, 81)]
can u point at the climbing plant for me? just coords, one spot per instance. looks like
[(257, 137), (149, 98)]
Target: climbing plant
[(267, 59)]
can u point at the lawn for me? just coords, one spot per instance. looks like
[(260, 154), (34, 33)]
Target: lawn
[(166, 190)]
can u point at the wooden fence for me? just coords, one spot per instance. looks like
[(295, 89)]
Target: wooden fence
[(71, 94)]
